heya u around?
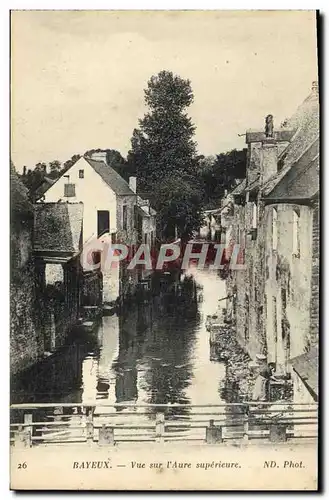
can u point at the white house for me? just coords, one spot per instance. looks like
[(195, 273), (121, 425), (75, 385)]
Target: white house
[(109, 206), (108, 200)]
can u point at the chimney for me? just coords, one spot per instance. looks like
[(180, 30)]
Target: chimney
[(269, 152), (99, 156), (24, 170), (225, 193), (269, 126), (132, 184)]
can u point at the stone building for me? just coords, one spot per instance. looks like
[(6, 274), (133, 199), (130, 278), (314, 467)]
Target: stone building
[(59, 278), (25, 341), (273, 301)]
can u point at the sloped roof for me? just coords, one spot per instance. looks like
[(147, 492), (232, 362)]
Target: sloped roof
[(239, 189), (20, 203), (305, 122), (141, 203), (44, 186), (299, 180), (111, 177), (306, 367), (58, 227)]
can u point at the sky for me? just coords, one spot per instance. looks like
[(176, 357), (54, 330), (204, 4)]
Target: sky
[(77, 77)]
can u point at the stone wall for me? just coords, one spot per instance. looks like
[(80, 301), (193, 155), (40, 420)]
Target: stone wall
[(248, 285), (25, 339), (288, 285), (314, 316)]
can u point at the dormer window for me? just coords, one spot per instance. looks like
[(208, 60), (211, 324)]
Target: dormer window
[(81, 174)]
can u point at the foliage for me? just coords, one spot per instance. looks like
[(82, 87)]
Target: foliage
[(55, 169), (163, 153), (219, 173)]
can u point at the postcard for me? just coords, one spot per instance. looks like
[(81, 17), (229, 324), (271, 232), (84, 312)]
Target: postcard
[(165, 236)]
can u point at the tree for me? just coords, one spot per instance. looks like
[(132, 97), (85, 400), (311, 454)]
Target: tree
[(55, 169), (115, 160), (41, 167), (163, 153), (219, 173), (68, 164)]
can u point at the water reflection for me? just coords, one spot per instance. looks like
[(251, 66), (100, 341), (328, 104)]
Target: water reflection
[(155, 352)]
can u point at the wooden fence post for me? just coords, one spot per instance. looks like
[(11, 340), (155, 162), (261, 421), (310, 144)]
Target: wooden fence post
[(20, 437), (28, 418), (278, 433), (214, 433), (246, 425), (106, 436), (159, 427), (58, 413), (89, 426)]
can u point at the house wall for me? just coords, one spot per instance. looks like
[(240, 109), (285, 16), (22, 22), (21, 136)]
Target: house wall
[(149, 230), (301, 395), (58, 293), (97, 195), (248, 283), (92, 191), (25, 340), (287, 285), (315, 292), (116, 280)]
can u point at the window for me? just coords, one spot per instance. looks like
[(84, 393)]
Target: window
[(81, 174), (124, 217), (238, 239), (69, 190), (103, 222), (246, 325), (254, 216), (295, 234), (135, 216), (96, 257), (274, 229)]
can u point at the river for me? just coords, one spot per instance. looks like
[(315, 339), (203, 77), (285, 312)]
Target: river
[(152, 352)]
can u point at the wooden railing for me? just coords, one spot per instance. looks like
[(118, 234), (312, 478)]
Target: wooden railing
[(110, 424)]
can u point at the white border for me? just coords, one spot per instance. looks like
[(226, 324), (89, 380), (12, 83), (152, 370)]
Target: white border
[(4, 135)]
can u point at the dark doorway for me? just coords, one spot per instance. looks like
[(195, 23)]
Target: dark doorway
[(103, 222)]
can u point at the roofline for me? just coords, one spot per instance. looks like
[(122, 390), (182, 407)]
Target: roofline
[(288, 168), (62, 174), (101, 161), (292, 201), (58, 203), (308, 387)]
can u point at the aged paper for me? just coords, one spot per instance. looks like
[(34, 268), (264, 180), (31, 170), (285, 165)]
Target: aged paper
[(164, 250)]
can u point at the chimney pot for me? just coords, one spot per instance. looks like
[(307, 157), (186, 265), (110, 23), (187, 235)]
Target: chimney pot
[(99, 156), (269, 126), (132, 184), (315, 86)]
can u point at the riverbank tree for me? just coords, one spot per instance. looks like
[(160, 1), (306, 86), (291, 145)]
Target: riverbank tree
[(163, 154)]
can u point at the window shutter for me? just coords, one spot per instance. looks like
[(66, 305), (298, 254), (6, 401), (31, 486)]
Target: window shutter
[(69, 190)]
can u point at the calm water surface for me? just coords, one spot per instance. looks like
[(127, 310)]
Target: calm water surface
[(155, 352)]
